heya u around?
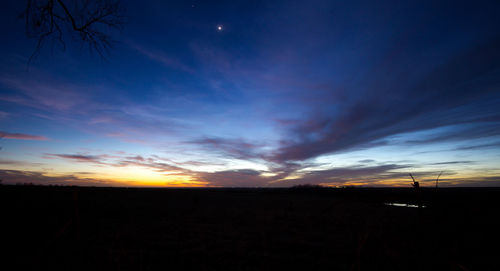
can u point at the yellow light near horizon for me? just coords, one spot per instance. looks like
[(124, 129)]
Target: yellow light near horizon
[(142, 176), (268, 174)]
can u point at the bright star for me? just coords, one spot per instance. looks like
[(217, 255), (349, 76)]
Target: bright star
[(219, 27)]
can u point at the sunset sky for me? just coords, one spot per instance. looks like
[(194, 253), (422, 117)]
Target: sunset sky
[(283, 93)]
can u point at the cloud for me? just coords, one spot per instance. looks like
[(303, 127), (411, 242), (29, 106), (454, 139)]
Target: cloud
[(21, 136), (9, 162), (151, 164), (83, 106), (164, 59), (234, 178), (279, 175), (45, 94), (120, 161), (136, 158), (4, 115), (294, 174), (453, 163), (461, 91), (199, 163), (236, 148), (344, 174), (481, 181), (461, 132), (134, 123), (366, 161), (43, 178), (479, 146), (79, 157)]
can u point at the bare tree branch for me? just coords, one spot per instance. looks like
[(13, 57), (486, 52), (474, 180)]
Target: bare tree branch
[(85, 20)]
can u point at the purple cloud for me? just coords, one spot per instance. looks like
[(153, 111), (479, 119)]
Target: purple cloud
[(461, 91), (164, 59), (234, 178), (21, 136), (118, 161), (237, 148), (41, 94), (41, 178), (81, 158), (4, 115), (366, 175)]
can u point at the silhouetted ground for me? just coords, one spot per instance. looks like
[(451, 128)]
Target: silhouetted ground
[(69, 228)]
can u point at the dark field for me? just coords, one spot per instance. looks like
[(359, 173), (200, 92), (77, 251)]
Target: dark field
[(69, 228)]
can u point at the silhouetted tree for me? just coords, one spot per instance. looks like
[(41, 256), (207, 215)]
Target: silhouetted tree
[(437, 179), (83, 20), (415, 184)]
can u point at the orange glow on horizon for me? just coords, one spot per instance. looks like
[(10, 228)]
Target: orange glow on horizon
[(138, 175)]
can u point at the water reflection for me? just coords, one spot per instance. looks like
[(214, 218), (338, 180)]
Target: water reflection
[(403, 205)]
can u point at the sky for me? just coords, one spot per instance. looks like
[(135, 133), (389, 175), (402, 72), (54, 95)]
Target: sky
[(258, 94)]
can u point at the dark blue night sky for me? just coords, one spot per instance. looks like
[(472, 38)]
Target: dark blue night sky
[(283, 93)]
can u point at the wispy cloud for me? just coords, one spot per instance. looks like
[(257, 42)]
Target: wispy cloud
[(462, 91), (479, 146), (98, 159), (4, 115), (21, 136), (43, 93), (453, 163), (236, 148), (343, 175), (278, 175), (151, 164), (80, 106), (480, 181), (120, 161), (234, 178), (164, 59), (44, 178)]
